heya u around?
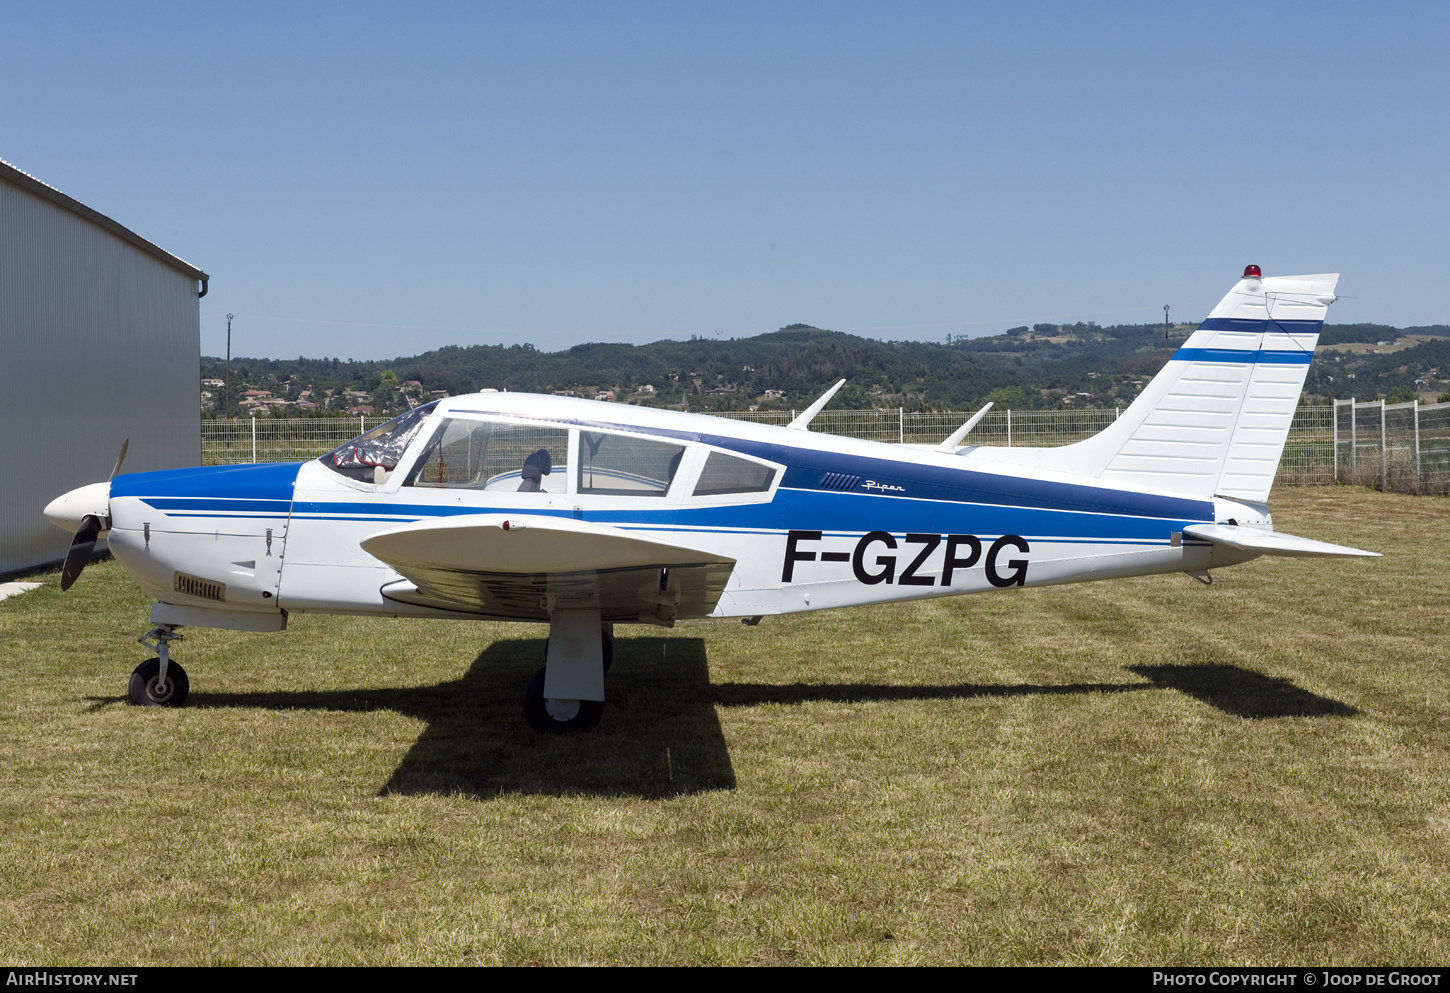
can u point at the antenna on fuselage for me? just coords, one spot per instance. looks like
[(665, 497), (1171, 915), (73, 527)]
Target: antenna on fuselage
[(955, 438), (802, 422), (120, 458)]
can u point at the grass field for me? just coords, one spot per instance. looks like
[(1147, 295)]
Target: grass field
[(1143, 771)]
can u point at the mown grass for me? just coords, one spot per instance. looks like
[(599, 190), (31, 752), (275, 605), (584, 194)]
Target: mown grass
[(1143, 771)]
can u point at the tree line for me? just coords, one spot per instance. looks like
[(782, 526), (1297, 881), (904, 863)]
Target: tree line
[(1042, 366)]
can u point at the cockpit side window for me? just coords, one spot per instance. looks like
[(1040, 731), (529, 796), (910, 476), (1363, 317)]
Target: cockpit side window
[(725, 474), (371, 458), (619, 465), (498, 456)]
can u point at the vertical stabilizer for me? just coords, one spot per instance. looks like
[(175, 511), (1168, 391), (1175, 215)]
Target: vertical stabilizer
[(1213, 422)]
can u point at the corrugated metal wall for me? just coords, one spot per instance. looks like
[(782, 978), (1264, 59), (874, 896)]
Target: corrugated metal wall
[(99, 342)]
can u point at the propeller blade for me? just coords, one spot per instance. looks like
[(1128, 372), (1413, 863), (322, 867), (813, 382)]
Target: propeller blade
[(80, 550), (121, 458)]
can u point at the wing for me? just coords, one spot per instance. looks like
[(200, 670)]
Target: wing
[(523, 566), (1273, 542)]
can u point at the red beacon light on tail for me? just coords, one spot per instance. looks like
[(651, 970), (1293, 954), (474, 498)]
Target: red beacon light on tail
[(1252, 272)]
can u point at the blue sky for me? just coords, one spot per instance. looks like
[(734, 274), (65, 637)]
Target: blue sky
[(370, 181)]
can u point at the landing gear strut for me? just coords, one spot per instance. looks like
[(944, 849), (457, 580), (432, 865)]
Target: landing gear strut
[(568, 693), (159, 682), (550, 716)]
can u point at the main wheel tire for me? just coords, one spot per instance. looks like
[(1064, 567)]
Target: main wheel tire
[(143, 691), (536, 711)]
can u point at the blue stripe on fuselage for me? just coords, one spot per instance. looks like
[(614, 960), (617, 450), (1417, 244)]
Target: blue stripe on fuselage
[(968, 486), (194, 506), (819, 510)]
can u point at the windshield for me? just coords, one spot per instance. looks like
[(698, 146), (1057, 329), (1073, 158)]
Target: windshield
[(370, 458)]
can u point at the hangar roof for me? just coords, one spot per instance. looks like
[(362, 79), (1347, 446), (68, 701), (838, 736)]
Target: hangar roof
[(30, 184)]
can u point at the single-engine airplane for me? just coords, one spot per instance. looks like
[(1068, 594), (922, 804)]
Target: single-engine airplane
[(583, 515)]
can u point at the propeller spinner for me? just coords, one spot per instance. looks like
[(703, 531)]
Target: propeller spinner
[(86, 511)]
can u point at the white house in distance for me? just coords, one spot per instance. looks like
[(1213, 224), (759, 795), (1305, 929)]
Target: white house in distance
[(100, 341)]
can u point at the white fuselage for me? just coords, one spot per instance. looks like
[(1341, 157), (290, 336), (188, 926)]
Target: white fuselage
[(839, 522)]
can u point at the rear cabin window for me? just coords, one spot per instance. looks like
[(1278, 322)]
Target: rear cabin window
[(495, 456), (619, 465), (725, 474)]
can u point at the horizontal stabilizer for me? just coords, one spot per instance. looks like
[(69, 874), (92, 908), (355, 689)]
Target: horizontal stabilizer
[(1273, 542)]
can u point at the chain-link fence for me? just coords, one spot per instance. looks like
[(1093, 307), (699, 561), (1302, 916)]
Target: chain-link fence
[(267, 439), (1392, 446), (1308, 458), (1027, 428), (1404, 447)]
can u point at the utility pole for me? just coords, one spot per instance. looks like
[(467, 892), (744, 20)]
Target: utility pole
[(1165, 329), (229, 368)]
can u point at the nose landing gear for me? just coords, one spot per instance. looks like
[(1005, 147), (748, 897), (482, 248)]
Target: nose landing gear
[(159, 682)]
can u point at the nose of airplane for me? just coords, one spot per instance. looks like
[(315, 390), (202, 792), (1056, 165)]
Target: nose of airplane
[(67, 510)]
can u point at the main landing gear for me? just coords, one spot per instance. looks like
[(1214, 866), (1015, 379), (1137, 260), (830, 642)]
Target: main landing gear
[(568, 693), (159, 682)]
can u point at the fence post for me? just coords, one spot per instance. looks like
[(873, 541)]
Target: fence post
[(1009, 427), (901, 425), (1384, 453), (1334, 416), (254, 437), (1417, 444), (362, 427), (1353, 443)]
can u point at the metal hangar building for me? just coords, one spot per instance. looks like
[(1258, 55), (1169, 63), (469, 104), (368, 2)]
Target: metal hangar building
[(100, 333)]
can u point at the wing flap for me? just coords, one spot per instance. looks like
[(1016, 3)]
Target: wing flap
[(1273, 542)]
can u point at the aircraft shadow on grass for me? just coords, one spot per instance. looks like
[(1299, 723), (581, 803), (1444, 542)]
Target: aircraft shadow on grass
[(662, 735), (1243, 692)]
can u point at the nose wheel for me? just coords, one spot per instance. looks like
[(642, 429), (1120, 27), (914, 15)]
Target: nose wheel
[(148, 690)]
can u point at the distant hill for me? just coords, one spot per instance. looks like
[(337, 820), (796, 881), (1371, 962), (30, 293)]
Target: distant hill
[(1340, 334), (1044, 366)]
